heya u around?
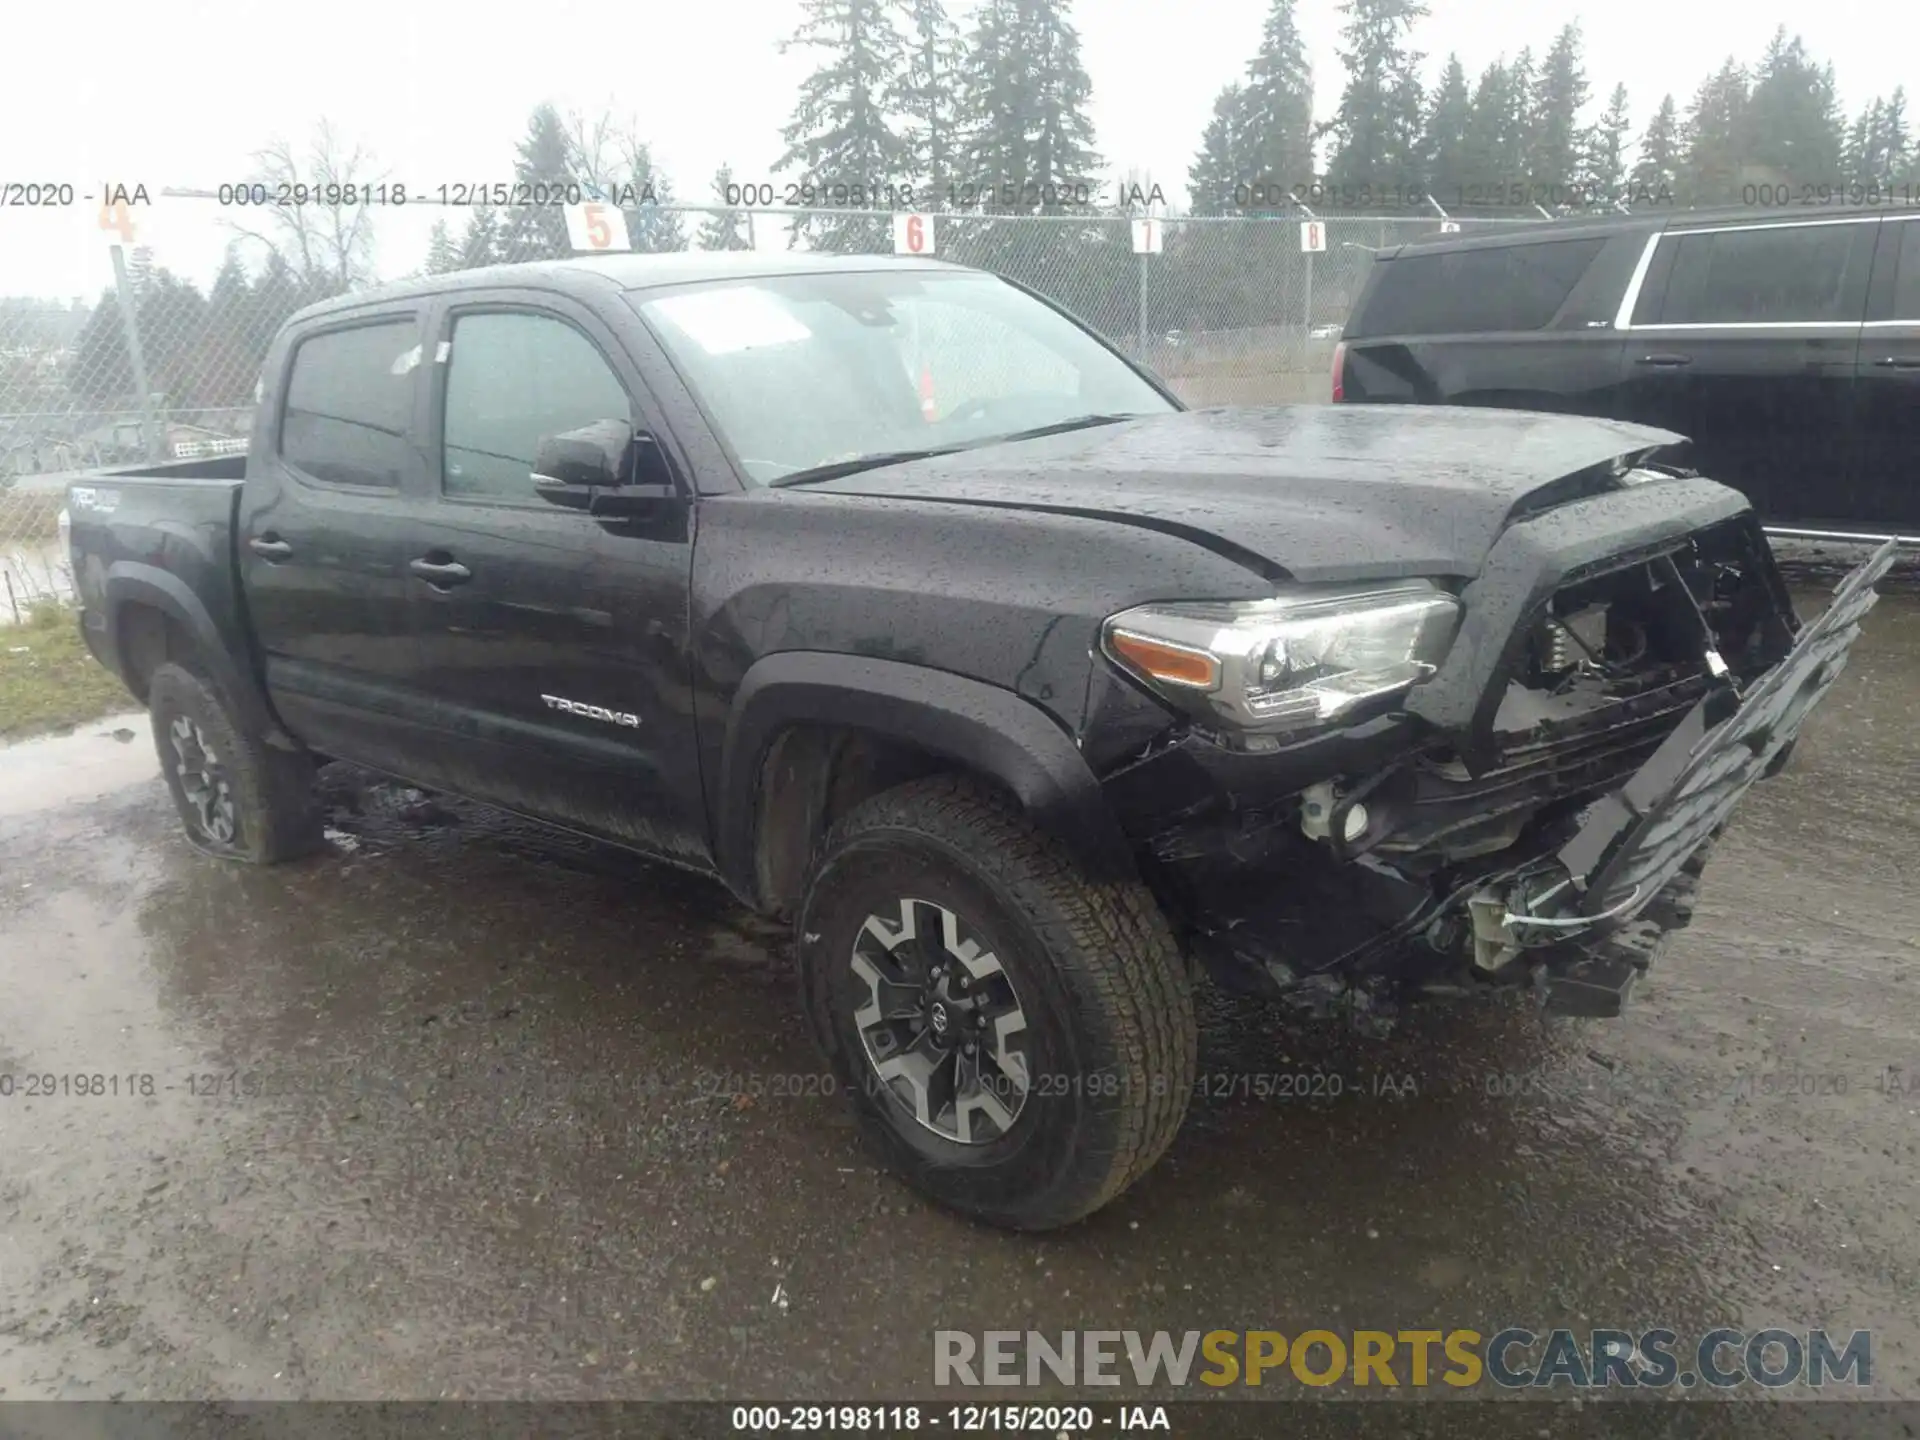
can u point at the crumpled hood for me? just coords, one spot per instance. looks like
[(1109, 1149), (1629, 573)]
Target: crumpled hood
[(1321, 492)]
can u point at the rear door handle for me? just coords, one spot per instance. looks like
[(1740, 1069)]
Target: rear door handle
[(440, 572), (1899, 362), (1666, 361), (270, 546)]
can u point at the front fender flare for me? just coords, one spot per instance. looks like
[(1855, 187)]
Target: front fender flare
[(989, 730)]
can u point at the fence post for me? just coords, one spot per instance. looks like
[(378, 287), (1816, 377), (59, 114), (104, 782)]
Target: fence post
[(150, 429), (1141, 314)]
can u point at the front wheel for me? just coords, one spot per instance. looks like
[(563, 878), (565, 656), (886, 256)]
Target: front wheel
[(238, 797), (1018, 1040)]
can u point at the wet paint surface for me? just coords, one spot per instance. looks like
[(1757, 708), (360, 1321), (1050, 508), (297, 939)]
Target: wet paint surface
[(461, 1109)]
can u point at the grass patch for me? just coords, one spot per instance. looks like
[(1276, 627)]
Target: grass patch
[(49, 680)]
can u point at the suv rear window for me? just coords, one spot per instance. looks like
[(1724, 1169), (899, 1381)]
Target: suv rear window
[(1776, 275), (1463, 292), (349, 402)]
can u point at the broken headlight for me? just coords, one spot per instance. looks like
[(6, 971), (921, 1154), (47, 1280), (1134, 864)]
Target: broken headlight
[(1288, 662)]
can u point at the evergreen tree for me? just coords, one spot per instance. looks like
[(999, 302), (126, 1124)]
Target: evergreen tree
[(724, 228), (1445, 155), (481, 244), (232, 365), (1856, 155), (1224, 158), (1603, 155), (1025, 92), (650, 228), (1276, 123), (839, 133), (1713, 140), (924, 99), (1489, 154), (442, 254), (1894, 148), (171, 314), (1376, 130), (1516, 126), (543, 161), (1556, 148), (1656, 170), (1793, 128), (277, 293)]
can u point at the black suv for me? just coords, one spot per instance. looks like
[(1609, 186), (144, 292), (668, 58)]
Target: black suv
[(1784, 345)]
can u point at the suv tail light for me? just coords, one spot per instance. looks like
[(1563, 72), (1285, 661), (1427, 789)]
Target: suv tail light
[(1339, 364)]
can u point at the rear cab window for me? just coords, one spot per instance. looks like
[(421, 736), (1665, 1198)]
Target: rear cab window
[(350, 401), (1759, 275)]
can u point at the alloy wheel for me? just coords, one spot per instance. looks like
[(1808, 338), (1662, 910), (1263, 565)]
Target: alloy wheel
[(940, 1022), (203, 780)]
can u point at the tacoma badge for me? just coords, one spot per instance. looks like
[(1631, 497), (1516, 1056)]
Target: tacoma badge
[(593, 712)]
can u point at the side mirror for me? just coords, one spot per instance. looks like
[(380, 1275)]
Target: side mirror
[(607, 469)]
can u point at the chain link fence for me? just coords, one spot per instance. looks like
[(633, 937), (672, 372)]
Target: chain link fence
[(163, 366)]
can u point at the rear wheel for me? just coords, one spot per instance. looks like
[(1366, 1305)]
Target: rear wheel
[(1017, 1040), (238, 797)]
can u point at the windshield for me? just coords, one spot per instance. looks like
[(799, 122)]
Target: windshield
[(803, 371)]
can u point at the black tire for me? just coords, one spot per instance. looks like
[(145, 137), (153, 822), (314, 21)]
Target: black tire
[(1108, 1062), (260, 799)]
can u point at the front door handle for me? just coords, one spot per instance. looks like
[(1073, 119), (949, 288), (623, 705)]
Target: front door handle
[(440, 572), (1665, 361), (1899, 362), (270, 547)]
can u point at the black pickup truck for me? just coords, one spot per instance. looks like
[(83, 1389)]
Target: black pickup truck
[(906, 606)]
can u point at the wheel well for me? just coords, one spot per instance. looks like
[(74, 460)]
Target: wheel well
[(811, 776), (149, 638)]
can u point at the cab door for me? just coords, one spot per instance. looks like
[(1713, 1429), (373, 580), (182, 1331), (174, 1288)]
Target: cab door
[(553, 645), (333, 480), (1886, 479)]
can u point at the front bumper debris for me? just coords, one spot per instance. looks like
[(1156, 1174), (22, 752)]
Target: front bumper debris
[(1634, 861)]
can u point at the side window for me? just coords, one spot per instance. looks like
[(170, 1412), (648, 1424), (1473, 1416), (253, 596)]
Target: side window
[(1769, 276), (1906, 274), (1487, 289), (512, 378), (349, 402)]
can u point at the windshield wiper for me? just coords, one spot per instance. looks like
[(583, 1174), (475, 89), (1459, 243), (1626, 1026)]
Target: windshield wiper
[(835, 469), (1058, 427)]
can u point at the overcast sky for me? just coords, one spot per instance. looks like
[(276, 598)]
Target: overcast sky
[(181, 94)]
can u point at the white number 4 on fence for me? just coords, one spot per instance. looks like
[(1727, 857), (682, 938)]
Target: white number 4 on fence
[(596, 226)]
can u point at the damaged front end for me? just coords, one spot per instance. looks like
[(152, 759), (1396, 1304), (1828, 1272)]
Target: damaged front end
[(1537, 807)]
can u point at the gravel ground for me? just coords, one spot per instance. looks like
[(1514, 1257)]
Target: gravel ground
[(455, 1109)]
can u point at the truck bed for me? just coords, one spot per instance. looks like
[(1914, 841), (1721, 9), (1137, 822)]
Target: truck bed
[(211, 467), (157, 530)]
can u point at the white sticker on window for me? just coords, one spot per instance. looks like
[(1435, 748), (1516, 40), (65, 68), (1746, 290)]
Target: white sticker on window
[(737, 318), (440, 355), (406, 362)]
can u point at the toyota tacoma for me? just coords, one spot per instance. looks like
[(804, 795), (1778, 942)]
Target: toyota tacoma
[(905, 605)]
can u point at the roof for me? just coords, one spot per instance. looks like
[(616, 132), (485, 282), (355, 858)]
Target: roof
[(1664, 217), (627, 272)]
